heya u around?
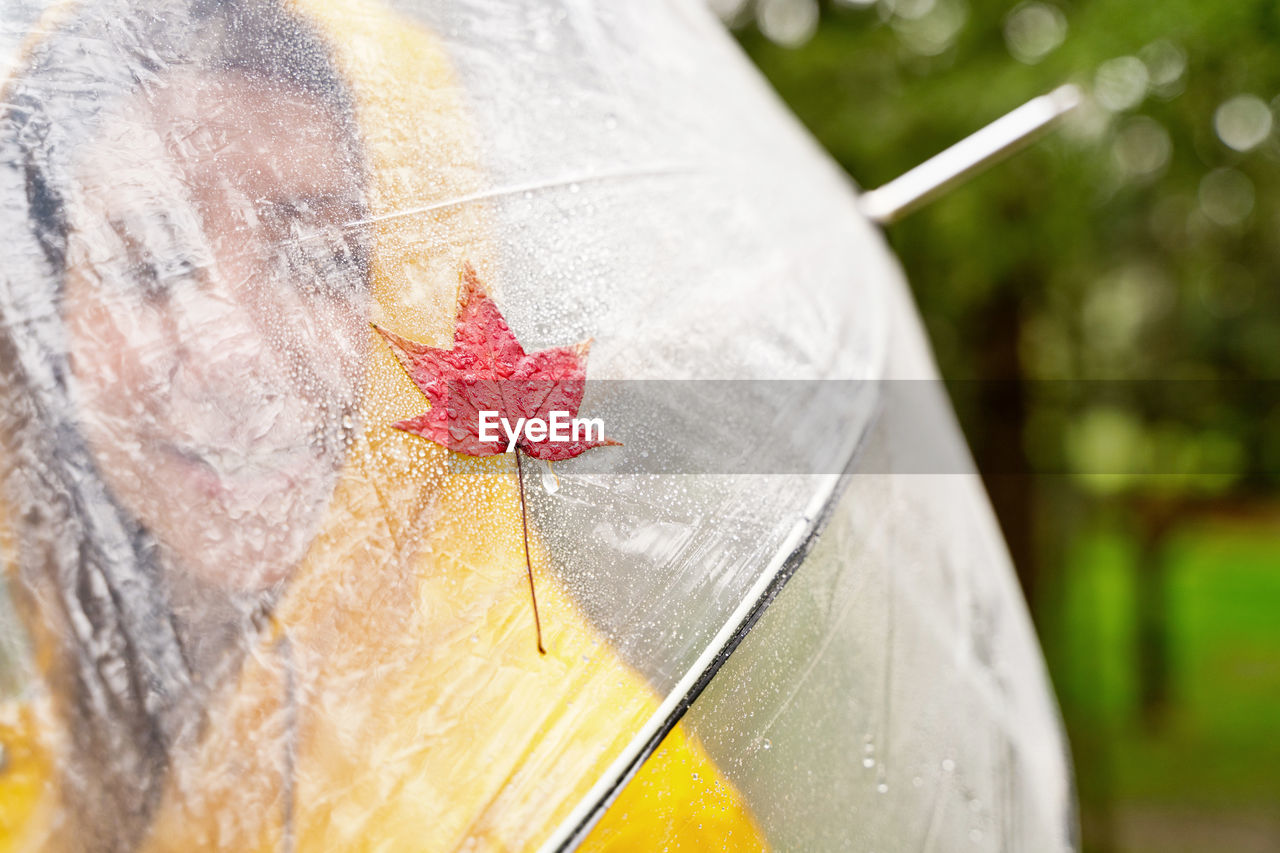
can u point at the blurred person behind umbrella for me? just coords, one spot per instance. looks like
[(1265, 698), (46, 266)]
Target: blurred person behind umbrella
[(260, 618)]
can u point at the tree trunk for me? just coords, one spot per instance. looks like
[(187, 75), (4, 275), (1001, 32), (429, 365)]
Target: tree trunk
[(1151, 613), (1002, 419)]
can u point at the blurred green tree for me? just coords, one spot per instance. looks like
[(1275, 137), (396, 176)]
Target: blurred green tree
[(1127, 247), (1109, 288)]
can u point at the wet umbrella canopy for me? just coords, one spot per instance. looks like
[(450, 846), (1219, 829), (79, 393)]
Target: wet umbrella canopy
[(244, 611)]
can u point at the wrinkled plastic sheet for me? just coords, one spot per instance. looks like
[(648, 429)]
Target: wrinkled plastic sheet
[(897, 667), (246, 612)]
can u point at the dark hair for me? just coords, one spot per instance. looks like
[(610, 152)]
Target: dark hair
[(85, 562)]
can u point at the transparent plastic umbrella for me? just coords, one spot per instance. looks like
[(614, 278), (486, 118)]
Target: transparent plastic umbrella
[(248, 612)]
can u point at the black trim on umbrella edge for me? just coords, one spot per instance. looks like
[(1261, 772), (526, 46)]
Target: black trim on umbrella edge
[(784, 574)]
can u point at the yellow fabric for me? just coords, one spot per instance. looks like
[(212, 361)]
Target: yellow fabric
[(398, 702), (26, 803)]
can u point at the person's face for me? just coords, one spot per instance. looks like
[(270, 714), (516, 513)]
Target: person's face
[(216, 318)]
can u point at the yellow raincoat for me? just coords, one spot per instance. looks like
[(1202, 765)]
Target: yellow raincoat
[(397, 701)]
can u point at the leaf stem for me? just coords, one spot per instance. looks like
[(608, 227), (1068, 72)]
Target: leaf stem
[(528, 562)]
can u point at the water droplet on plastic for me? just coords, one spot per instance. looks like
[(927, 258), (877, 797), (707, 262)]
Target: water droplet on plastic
[(868, 762), (550, 482)]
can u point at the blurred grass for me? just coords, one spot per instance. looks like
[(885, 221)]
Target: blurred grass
[(1215, 755)]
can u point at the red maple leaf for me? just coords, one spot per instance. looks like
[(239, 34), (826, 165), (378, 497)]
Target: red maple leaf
[(488, 370)]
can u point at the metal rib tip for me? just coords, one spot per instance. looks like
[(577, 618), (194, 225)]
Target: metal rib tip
[(969, 156)]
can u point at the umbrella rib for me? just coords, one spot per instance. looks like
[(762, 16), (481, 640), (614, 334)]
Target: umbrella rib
[(656, 170), (787, 559)]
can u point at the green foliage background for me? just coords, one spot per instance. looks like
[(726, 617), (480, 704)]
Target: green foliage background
[(1156, 587)]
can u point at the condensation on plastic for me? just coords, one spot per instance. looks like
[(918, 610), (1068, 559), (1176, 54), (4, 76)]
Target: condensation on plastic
[(253, 615), (892, 697)]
